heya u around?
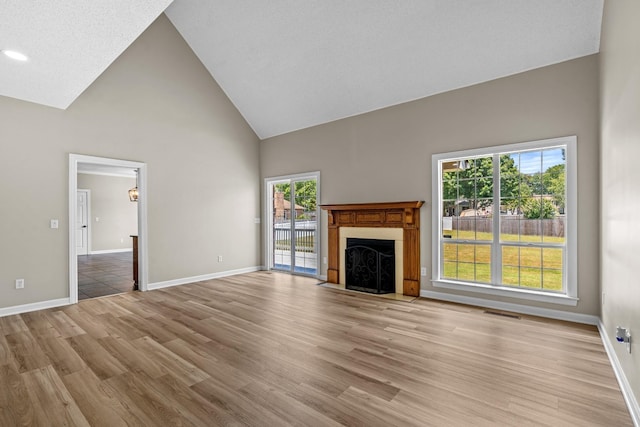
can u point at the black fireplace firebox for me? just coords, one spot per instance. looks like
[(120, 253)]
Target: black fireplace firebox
[(370, 265)]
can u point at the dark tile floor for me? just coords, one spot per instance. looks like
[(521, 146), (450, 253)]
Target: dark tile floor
[(105, 274)]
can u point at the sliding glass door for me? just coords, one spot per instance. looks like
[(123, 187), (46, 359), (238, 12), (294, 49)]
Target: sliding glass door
[(293, 232)]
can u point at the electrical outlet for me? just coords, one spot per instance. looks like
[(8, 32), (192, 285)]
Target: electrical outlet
[(19, 283), (53, 223), (219, 258), (423, 271)]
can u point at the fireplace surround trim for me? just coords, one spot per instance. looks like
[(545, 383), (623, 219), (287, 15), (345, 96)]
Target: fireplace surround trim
[(395, 234), (405, 215)]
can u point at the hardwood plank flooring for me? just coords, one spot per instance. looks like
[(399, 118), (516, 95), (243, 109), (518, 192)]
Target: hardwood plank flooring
[(270, 349)]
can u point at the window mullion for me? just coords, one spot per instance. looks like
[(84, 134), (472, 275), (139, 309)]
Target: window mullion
[(496, 253), (526, 175)]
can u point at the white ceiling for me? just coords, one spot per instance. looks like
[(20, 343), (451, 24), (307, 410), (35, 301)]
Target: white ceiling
[(287, 64), (69, 44)]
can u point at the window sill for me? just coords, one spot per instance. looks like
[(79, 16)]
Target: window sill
[(507, 292)]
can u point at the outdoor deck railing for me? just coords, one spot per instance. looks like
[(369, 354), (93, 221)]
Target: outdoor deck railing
[(305, 236)]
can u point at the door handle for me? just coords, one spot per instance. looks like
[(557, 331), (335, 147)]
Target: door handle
[(84, 226)]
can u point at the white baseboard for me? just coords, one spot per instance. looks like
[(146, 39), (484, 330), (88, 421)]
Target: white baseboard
[(183, 281), (518, 308), (110, 251), (625, 387), (25, 308)]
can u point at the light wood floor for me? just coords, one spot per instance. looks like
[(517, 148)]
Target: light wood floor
[(268, 349)]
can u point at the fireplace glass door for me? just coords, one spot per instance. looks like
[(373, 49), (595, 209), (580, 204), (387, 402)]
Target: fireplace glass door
[(294, 226)]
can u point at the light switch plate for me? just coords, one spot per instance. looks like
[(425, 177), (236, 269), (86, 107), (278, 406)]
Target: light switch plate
[(54, 223)]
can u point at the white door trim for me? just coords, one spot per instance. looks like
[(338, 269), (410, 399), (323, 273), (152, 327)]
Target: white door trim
[(88, 192), (267, 213), (143, 264)]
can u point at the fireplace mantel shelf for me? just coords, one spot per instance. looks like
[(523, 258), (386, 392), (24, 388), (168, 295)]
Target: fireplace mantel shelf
[(405, 215), (366, 206)]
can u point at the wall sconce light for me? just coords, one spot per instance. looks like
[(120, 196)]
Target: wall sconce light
[(133, 193)]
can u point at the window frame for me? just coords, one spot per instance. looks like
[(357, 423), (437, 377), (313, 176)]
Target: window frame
[(570, 294)]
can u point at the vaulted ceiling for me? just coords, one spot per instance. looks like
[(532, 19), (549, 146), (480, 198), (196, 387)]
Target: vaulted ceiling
[(68, 44), (288, 65)]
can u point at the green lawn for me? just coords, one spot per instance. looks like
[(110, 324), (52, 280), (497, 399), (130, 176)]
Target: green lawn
[(531, 268)]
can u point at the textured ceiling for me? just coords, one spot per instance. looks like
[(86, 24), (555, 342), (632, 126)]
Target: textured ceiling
[(288, 64), (69, 44)]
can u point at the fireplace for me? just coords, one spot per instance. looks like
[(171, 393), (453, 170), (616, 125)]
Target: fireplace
[(397, 221), (370, 265)]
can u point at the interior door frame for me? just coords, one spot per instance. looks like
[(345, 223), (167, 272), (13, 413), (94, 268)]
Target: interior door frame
[(88, 218), (143, 259), (268, 216)]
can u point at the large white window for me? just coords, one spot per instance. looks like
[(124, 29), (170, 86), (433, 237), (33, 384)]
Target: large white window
[(505, 219)]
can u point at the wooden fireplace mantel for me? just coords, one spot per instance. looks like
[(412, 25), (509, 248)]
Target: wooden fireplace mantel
[(405, 215)]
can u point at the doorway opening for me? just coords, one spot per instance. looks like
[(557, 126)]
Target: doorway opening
[(101, 258), (293, 232)]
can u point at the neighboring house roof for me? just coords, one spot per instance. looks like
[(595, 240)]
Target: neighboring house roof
[(287, 205)]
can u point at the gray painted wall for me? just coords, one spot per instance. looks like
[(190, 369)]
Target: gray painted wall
[(156, 104), (620, 180), (109, 202), (385, 155)]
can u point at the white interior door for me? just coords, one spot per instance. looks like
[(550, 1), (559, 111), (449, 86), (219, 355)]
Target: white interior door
[(82, 223)]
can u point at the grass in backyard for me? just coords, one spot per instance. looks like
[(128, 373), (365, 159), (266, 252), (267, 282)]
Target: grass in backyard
[(532, 268), (477, 235)]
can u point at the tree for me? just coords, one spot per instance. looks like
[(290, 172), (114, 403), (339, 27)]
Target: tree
[(538, 208), (554, 184), (306, 193), (475, 184), (511, 183)]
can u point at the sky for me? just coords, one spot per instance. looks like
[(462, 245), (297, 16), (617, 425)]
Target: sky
[(529, 162)]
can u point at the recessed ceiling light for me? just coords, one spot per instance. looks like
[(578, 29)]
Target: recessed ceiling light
[(15, 55)]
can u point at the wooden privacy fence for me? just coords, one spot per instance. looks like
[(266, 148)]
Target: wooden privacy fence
[(512, 224)]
